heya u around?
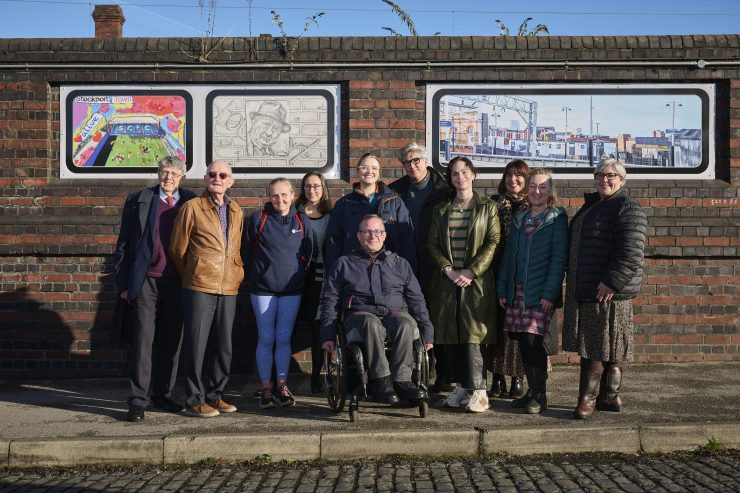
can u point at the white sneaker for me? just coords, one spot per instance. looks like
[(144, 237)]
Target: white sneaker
[(454, 398), (478, 402)]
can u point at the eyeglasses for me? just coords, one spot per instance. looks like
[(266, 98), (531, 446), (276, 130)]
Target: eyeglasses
[(372, 232), (364, 168), (222, 175), (173, 174), (415, 161), (311, 187), (608, 176)]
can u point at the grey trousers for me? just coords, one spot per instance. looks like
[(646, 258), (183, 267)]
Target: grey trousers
[(205, 313), (155, 350), (399, 329)]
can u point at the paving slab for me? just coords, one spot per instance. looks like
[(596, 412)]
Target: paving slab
[(353, 445), (62, 452), (189, 449), (575, 439), (674, 438)]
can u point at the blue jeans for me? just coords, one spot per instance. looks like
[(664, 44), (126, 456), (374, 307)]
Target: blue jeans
[(275, 317)]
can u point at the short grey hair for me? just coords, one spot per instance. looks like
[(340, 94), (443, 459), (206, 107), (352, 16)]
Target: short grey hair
[(171, 162), (226, 163), (412, 147), (612, 163), (370, 217)]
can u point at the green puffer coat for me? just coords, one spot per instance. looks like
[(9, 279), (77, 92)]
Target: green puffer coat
[(472, 320)]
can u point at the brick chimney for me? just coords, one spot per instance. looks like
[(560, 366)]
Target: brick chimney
[(109, 21)]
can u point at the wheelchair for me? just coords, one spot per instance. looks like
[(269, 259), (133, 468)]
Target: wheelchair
[(345, 376)]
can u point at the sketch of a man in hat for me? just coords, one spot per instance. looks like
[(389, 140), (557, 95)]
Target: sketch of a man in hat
[(268, 123)]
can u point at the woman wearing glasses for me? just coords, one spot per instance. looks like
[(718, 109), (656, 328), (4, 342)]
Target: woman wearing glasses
[(277, 250), (462, 292), (607, 241), (369, 196), (313, 201)]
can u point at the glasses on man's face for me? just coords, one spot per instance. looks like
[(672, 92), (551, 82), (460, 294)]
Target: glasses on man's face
[(222, 175), (608, 176), (173, 174), (372, 232), (365, 168), (409, 162), (311, 187)]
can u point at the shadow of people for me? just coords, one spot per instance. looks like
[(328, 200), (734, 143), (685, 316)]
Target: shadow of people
[(35, 342)]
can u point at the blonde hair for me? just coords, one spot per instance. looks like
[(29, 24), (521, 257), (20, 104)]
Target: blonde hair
[(544, 172)]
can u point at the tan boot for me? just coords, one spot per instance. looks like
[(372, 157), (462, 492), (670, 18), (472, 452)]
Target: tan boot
[(591, 372)]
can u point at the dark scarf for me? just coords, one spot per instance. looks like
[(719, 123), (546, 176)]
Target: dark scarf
[(508, 205)]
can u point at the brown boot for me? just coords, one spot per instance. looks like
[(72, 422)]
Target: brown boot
[(591, 372), (611, 381)]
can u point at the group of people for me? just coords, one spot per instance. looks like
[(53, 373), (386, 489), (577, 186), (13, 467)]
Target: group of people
[(477, 279)]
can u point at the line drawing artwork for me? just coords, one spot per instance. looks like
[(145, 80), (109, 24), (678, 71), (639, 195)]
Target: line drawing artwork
[(273, 131)]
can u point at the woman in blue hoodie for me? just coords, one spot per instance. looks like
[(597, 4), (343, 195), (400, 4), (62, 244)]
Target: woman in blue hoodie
[(278, 249), (530, 281)]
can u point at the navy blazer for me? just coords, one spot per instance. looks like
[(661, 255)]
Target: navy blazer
[(136, 238)]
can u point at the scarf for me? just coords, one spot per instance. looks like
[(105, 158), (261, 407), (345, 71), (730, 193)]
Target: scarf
[(508, 205)]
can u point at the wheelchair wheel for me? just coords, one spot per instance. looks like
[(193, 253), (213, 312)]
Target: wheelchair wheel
[(335, 377)]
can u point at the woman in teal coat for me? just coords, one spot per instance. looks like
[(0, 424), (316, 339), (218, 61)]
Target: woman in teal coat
[(530, 281)]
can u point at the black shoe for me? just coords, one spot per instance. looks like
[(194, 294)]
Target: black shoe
[(166, 404), (135, 414), (267, 401), (439, 387), (498, 388), (382, 391), (407, 390), (316, 387), (517, 388)]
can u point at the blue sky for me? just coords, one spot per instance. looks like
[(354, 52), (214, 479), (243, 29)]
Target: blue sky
[(171, 18)]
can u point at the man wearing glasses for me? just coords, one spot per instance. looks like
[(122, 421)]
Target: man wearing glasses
[(421, 189), (148, 282), (205, 249), (377, 295)]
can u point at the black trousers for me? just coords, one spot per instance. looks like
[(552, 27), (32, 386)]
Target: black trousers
[(205, 313), (157, 324), (533, 350)]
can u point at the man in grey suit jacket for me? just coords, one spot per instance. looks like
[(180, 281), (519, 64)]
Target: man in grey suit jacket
[(149, 283)]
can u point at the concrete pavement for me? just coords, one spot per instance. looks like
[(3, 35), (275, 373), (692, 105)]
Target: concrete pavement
[(668, 407)]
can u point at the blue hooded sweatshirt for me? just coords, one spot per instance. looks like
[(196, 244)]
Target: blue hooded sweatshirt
[(277, 250)]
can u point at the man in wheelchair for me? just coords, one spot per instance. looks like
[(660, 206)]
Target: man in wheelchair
[(375, 293)]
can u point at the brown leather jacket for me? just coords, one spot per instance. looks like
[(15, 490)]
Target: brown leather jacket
[(198, 251)]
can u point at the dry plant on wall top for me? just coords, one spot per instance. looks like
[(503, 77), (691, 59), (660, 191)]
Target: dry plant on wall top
[(288, 45), (200, 49), (523, 28)]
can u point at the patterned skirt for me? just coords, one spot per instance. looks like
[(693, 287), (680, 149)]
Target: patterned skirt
[(522, 319)]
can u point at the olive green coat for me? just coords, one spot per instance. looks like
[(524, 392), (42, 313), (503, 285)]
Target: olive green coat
[(472, 319)]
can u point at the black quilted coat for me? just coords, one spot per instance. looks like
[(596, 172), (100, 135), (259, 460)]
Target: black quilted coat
[(611, 247)]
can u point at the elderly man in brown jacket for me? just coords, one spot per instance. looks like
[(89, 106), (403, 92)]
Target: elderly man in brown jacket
[(205, 247)]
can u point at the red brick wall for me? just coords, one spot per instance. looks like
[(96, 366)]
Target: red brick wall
[(57, 236)]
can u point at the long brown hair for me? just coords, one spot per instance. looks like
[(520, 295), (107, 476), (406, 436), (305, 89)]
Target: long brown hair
[(324, 206), (518, 167)]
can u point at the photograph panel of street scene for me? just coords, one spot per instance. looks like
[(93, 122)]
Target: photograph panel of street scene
[(127, 130), (560, 128)]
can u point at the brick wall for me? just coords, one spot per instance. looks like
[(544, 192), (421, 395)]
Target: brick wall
[(57, 237)]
